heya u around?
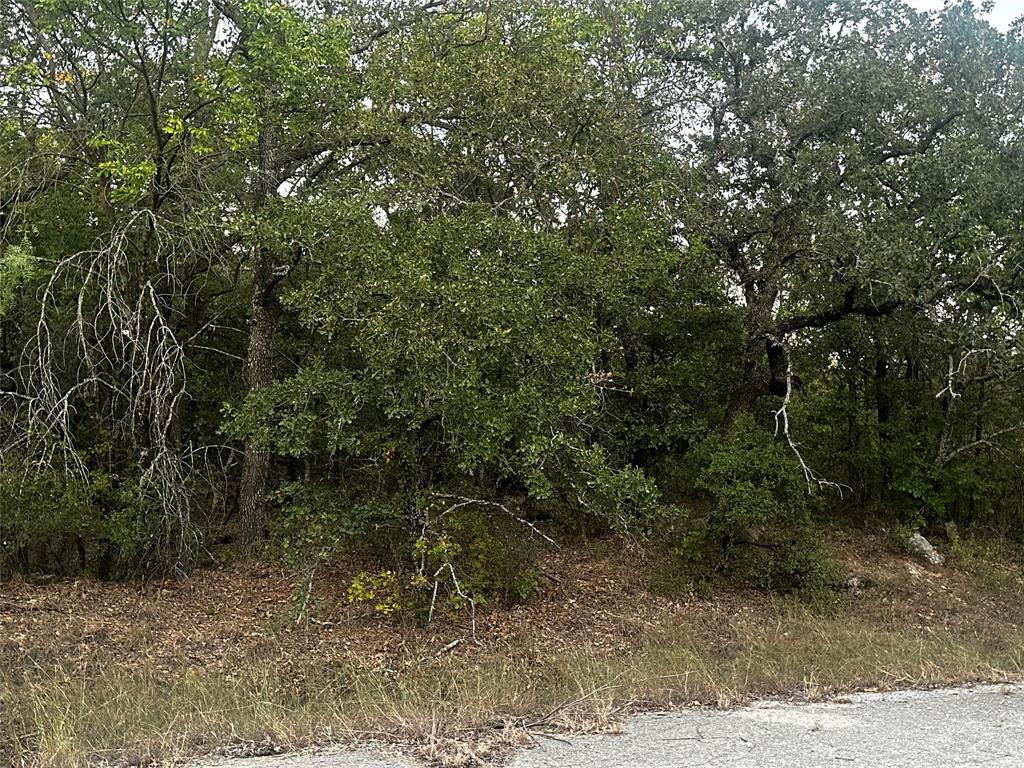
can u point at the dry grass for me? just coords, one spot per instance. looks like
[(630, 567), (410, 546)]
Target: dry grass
[(59, 708)]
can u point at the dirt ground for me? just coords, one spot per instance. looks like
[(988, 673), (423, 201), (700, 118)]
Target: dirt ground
[(221, 616)]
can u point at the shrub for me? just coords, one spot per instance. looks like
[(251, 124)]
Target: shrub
[(105, 524), (44, 518), (494, 559), (754, 513), (435, 552)]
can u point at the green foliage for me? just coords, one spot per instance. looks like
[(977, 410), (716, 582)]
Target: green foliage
[(42, 512), (339, 262), (17, 267), (492, 559), (316, 520), (126, 166), (102, 524), (757, 524), (376, 588), (751, 479), (464, 561)]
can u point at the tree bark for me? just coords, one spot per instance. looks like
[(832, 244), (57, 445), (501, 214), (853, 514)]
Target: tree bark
[(259, 367), (252, 503), (755, 380)]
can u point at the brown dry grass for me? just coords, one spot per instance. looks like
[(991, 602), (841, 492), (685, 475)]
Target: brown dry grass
[(92, 672)]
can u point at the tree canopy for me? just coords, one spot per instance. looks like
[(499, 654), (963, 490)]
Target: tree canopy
[(420, 275)]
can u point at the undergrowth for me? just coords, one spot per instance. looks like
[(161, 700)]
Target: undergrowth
[(54, 715)]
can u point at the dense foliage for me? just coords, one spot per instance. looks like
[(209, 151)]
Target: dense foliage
[(419, 277)]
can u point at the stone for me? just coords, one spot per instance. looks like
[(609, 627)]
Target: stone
[(855, 585), (921, 547)]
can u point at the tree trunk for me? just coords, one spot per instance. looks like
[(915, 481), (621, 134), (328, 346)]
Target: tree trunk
[(755, 379), (252, 501), (252, 495)]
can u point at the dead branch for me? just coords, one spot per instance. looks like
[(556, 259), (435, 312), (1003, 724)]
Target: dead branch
[(463, 501), (782, 425)]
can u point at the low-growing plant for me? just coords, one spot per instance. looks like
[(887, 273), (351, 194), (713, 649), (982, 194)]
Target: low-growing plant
[(379, 589), (752, 521), (67, 524)]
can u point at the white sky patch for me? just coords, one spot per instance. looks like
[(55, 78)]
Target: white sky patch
[(1002, 14)]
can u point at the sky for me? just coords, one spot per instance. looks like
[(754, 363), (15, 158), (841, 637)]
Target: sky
[(1001, 15)]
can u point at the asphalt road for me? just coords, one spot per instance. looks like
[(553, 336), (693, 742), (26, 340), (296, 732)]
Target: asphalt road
[(981, 726)]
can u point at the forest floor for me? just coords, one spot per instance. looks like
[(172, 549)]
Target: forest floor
[(226, 662)]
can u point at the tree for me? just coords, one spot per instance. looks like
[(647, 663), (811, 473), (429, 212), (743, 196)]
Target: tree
[(104, 112), (844, 158), (300, 105), (405, 273), (464, 299)]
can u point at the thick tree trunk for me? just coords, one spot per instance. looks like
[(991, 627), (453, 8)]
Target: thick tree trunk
[(756, 379), (252, 500), (252, 496)]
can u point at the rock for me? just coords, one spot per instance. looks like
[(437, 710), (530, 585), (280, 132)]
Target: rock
[(921, 547), (952, 531), (855, 585)]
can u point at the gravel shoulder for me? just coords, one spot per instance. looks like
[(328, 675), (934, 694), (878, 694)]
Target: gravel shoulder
[(946, 728), (924, 729)]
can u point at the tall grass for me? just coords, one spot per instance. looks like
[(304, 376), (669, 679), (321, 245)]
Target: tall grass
[(53, 716)]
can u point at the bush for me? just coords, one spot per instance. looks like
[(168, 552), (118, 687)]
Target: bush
[(464, 558), (45, 519), (434, 552), (67, 524), (494, 559), (752, 519)]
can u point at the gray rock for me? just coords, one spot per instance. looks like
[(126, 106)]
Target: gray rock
[(855, 585), (921, 547)]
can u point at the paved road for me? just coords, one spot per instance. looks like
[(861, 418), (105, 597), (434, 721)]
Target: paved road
[(935, 729), (951, 728)]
